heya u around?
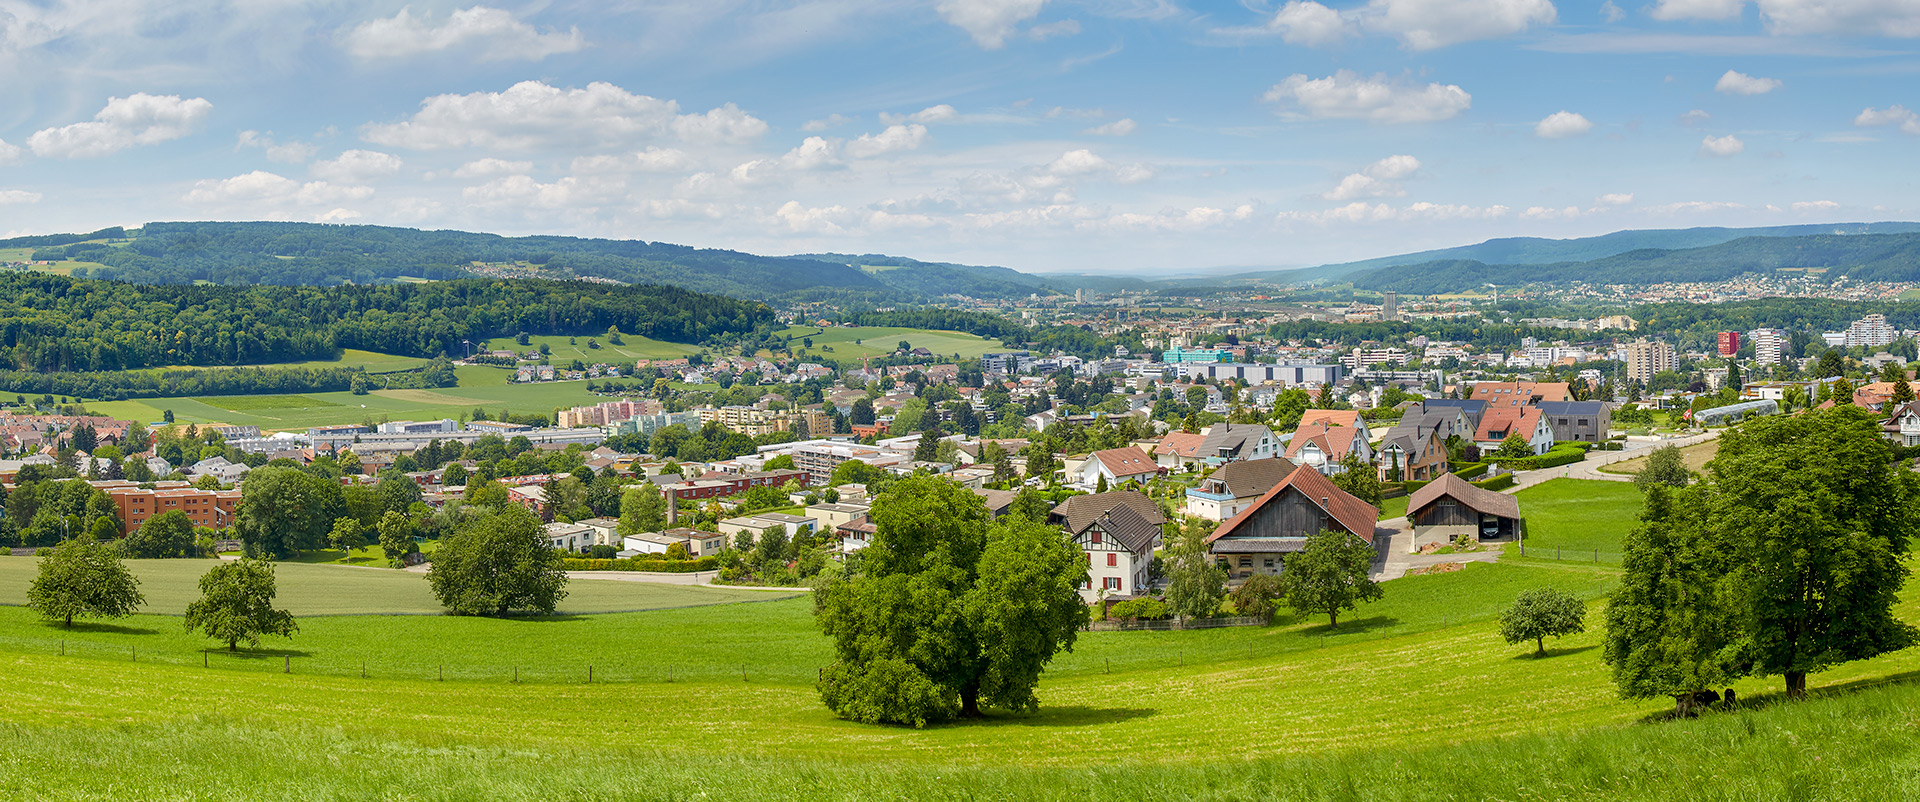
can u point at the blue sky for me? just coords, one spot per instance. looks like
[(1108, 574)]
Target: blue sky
[(1135, 136)]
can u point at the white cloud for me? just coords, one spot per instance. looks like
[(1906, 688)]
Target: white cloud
[(138, 119), (830, 121), (895, 137), (1614, 199), (260, 187), (355, 166), (532, 114), (1429, 24), (1815, 206), (813, 153), (663, 160), (1695, 117), (9, 197), (1363, 212), (1908, 121), (1562, 124), (1697, 9), (807, 220), (1611, 12), (1721, 145), (1305, 22), (931, 114), (489, 167), (1120, 127), (288, 152), (1696, 207), (1345, 95), (989, 22), (486, 33), (1052, 30), (9, 153), (1740, 83), (1079, 162), (1550, 213), (1378, 180), (1197, 218)]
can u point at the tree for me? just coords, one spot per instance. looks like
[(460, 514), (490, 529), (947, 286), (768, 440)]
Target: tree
[(284, 510), (84, 579), (1330, 575), (1902, 391), (169, 534), (455, 476), (952, 612), (396, 535), (496, 563), (1672, 628), (862, 413), (783, 462), (1665, 466), (236, 604), (1542, 613), (1358, 479), (1195, 583), (1831, 363), (643, 508), (1513, 447), (1257, 597)]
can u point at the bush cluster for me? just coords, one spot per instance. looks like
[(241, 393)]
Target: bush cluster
[(656, 565)]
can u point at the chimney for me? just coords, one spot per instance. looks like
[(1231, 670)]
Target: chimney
[(673, 507)]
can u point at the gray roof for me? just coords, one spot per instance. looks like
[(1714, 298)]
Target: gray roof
[(1571, 407), (1478, 499), (1252, 477), (1127, 526), (1080, 512), (1285, 545)]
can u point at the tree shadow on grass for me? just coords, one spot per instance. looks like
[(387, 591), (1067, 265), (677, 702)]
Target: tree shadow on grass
[(1057, 716), (538, 618), (1353, 626), (256, 653), (1778, 695), (101, 627), (1556, 652)]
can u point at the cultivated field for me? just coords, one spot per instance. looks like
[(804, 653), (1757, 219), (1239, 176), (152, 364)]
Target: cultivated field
[(878, 340), (480, 387), (1694, 456)]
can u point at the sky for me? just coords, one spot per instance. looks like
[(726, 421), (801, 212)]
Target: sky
[(1095, 136)]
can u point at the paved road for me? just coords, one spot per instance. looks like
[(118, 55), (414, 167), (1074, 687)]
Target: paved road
[(1590, 467)]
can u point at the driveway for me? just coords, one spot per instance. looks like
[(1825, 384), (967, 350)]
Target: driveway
[(1589, 468)]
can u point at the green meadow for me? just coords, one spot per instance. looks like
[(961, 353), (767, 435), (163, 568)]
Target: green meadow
[(851, 343), (1579, 515)]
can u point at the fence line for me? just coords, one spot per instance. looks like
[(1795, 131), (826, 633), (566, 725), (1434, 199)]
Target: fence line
[(1565, 554), (1171, 624)]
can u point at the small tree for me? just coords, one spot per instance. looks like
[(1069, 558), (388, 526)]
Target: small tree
[(1514, 447), (1330, 575), (1664, 467), (169, 534), (85, 579), (236, 604), (396, 535), (346, 535), (1358, 479), (1195, 583), (1542, 613), (497, 563), (642, 509), (1258, 596)]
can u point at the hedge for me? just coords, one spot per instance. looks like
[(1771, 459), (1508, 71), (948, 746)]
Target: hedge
[(1501, 482), (1555, 457), (640, 564), (1468, 470)]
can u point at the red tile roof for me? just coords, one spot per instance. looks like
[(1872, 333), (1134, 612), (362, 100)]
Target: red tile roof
[(1129, 461), (1357, 516)]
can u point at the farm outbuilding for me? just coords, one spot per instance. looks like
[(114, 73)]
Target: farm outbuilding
[(1450, 506)]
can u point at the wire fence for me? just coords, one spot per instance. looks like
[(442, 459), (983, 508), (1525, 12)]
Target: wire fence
[(1173, 624), (1569, 554)]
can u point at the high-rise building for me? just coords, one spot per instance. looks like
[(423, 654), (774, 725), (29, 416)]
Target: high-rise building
[(1390, 306), (1769, 346), (1729, 342), (1870, 330), (1647, 357)]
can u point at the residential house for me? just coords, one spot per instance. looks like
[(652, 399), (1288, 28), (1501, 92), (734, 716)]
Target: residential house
[(568, 537), (606, 531), (1578, 421), (1519, 394), (1337, 417), (1117, 466), (1323, 448), (855, 535), (1235, 486), (1259, 538), (1118, 532), (1528, 422), (1412, 454), (1903, 426), (1450, 507), (1215, 445)]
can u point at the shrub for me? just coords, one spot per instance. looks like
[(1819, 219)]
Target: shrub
[(1501, 482), (1140, 610), (1469, 470), (652, 563)]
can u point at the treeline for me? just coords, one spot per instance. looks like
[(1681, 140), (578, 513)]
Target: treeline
[(1069, 339), (53, 240), (54, 324), (1862, 257), (116, 385), (1485, 335)]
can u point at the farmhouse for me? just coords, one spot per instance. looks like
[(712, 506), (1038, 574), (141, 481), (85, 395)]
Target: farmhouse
[(1449, 507), (1235, 486), (1118, 531), (1258, 539)]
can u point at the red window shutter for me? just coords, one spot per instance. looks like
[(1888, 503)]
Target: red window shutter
[(1096, 536), (1112, 560)]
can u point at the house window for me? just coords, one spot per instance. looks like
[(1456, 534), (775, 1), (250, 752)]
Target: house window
[(1269, 562), (1246, 562), (1112, 559), (1583, 421), (1112, 582), (1096, 536)]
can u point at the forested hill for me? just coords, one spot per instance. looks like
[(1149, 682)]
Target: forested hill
[(53, 323), (1865, 257), (321, 255)]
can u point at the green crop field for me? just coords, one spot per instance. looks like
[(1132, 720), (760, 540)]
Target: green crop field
[(635, 347), (1695, 457), (480, 387), (878, 340), (1579, 514)]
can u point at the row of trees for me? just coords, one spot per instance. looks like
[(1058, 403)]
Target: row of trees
[(85, 579)]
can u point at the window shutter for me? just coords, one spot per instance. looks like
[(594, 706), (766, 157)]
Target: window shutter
[(1112, 559)]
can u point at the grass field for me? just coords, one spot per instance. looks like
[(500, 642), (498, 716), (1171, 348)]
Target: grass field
[(1395, 507), (1414, 698), (479, 387), (1694, 456), (1579, 514), (634, 347), (878, 340)]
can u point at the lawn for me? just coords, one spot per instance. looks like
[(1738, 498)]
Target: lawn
[(1578, 515), (878, 340), (1414, 698), (1395, 507), (1694, 456)]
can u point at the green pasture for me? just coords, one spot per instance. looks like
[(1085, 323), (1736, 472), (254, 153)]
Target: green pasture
[(480, 387), (634, 347), (1579, 515), (879, 340)]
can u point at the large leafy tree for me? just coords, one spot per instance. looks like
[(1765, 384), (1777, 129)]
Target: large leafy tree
[(1665, 466), (84, 579), (284, 510), (1817, 513), (1671, 624), (236, 604), (643, 508), (498, 562), (169, 534), (396, 535), (1542, 613), (1195, 582), (952, 612), (1330, 575)]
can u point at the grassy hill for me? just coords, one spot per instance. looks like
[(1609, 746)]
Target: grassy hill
[(1415, 698)]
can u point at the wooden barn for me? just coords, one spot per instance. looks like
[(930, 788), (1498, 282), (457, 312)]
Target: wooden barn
[(1450, 506), (1257, 540)]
